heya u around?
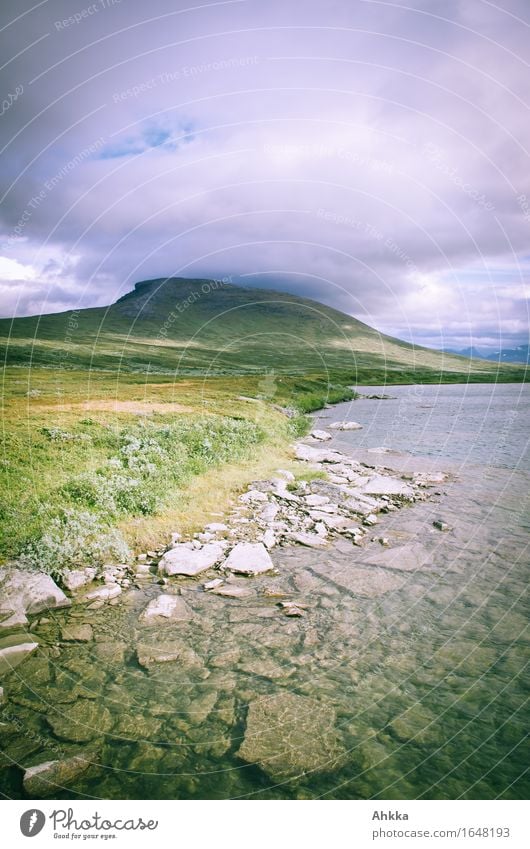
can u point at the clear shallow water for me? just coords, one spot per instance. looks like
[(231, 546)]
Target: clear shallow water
[(427, 681)]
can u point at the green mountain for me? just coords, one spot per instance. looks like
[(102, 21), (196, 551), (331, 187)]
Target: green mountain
[(181, 326)]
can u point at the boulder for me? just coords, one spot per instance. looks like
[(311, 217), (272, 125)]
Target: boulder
[(269, 513), (165, 608), (182, 560), (269, 538), (47, 778), (23, 592), (216, 528), (317, 455), (321, 435), (289, 735), (249, 559)]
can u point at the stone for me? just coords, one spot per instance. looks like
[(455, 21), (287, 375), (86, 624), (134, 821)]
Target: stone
[(216, 528), (212, 585), (167, 651), (317, 455), (249, 559), (24, 592), (309, 540), (441, 526), (370, 519), (269, 513), (416, 724), (233, 591), (74, 579), (104, 593), (166, 608), (346, 426), (316, 500), (387, 485), (112, 652), (405, 558), (289, 735), (254, 496), (363, 581), (321, 435), (46, 779), (80, 722), (77, 633), (137, 726), (182, 560), (201, 707), (284, 473), (269, 538), (14, 650)]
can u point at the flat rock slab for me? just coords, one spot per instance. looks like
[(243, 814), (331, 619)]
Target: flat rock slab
[(363, 581), (317, 455), (233, 591), (321, 435), (182, 560), (289, 735), (77, 633), (404, 558), (248, 558), (309, 540), (166, 608), (387, 485), (45, 779), (84, 720)]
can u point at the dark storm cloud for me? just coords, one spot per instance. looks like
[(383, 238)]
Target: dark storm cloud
[(370, 156)]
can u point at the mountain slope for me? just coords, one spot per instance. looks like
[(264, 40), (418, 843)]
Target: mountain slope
[(203, 326)]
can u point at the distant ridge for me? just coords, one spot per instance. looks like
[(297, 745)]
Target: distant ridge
[(180, 325)]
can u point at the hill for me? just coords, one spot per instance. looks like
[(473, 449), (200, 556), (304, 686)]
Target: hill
[(182, 326)]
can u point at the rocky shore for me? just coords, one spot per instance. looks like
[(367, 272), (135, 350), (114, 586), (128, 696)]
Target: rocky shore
[(337, 503)]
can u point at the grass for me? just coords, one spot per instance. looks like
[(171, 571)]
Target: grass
[(80, 487)]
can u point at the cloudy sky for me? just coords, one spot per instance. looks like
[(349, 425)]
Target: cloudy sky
[(371, 154)]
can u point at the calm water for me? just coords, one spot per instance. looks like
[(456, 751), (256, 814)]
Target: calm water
[(427, 681)]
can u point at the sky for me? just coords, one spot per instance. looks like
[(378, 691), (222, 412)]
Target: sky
[(370, 154)]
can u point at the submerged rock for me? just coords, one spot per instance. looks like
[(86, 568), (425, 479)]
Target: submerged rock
[(77, 633), (47, 778), (249, 559), (13, 650), (24, 592), (182, 560), (167, 651), (84, 720), (289, 735), (166, 608)]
